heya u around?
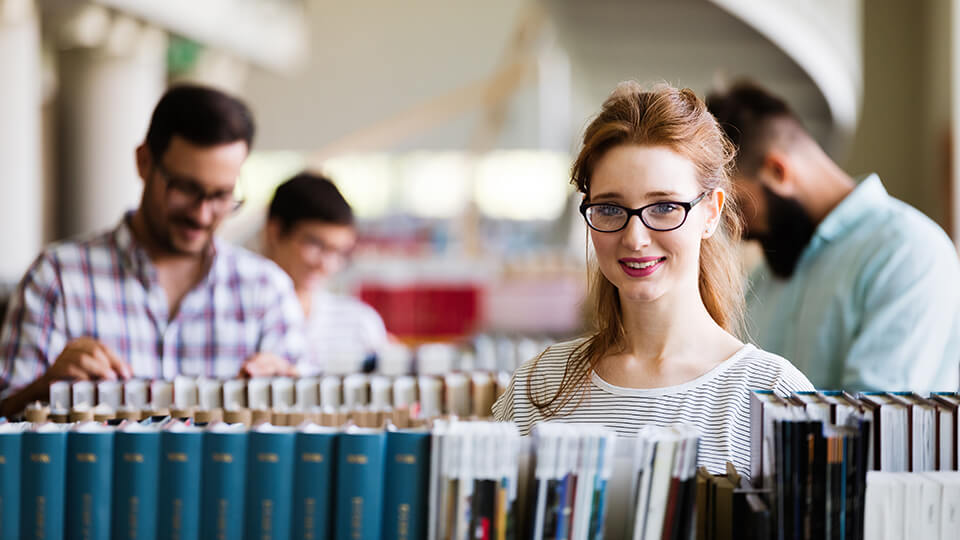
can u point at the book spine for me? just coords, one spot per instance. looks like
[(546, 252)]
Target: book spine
[(89, 485), (224, 475), (270, 485), (44, 459), (407, 474), (136, 473), (313, 485), (360, 465), (10, 450), (178, 508)]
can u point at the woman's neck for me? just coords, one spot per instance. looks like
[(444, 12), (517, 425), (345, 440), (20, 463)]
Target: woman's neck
[(667, 342)]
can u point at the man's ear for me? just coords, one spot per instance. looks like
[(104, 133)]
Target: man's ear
[(144, 161), (776, 173), (715, 204)]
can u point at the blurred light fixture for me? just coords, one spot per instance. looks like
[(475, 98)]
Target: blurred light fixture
[(365, 180), (435, 184), (523, 184)]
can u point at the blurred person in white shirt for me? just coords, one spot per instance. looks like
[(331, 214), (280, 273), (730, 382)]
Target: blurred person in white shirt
[(310, 233)]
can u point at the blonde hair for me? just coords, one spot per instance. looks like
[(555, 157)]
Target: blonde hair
[(679, 120)]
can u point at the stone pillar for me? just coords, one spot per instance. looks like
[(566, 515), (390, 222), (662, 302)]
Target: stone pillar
[(21, 100), (112, 71)]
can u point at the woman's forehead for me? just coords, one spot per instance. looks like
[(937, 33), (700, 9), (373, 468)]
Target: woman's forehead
[(632, 171)]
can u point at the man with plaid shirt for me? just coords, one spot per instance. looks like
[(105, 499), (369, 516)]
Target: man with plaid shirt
[(158, 296)]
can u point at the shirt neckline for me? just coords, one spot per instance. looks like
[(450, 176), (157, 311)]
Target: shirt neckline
[(677, 388)]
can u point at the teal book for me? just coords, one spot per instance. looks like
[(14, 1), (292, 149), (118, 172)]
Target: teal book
[(178, 507), (359, 500), (89, 481), (313, 482), (44, 457), (406, 482), (224, 472), (136, 475), (269, 510), (11, 441)]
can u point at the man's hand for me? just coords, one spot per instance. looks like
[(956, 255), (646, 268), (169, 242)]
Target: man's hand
[(267, 365), (87, 359)]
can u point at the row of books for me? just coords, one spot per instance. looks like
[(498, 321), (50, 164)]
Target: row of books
[(729, 508), (900, 506), (905, 431), (458, 394), (171, 479)]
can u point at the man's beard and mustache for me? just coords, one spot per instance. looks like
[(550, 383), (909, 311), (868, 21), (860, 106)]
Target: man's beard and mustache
[(789, 230)]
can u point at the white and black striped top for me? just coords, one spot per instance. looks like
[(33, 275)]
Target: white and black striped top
[(717, 403)]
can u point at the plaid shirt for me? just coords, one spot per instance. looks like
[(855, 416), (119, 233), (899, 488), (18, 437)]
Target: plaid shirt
[(106, 288)]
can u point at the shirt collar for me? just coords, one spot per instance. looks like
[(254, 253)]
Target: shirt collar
[(853, 208)]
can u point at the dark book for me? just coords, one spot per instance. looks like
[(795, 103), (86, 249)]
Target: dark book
[(178, 505), (406, 478), (359, 500), (136, 475), (11, 443), (313, 482), (89, 481), (223, 487), (269, 499), (44, 462)]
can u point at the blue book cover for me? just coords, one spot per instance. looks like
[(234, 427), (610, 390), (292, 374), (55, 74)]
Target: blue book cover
[(11, 440), (406, 483), (89, 481), (314, 482), (359, 500), (269, 510), (178, 508), (136, 474), (44, 458), (224, 475)]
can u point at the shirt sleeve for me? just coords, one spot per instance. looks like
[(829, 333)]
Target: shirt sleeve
[(503, 407), (34, 331), (283, 323), (910, 321)]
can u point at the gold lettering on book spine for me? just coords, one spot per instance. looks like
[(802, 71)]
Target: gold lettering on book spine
[(41, 518), (408, 459), (177, 456), (268, 457), (357, 521), (403, 522), (312, 457), (87, 458), (133, 458), (222, 458), (357, 459), (40, 458)]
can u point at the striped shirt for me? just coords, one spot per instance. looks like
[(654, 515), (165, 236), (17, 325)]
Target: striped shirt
[(341, 333), (106, 288), (717, 403)]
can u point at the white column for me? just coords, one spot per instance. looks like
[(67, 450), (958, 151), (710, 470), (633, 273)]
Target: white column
[(112, 72), (21, 180)]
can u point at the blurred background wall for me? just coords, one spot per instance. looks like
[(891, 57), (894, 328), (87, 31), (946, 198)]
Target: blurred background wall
[(449, 126)]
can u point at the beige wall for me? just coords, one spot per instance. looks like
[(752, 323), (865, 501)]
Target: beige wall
[(906, 107)]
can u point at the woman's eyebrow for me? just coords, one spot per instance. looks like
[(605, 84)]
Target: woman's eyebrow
[(608, 196)]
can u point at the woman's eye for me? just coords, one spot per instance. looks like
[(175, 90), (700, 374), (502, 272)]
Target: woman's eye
[(665, 208), (608, 211)]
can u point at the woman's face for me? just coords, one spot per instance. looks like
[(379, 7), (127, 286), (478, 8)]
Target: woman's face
[(312, 251), (647, 265)]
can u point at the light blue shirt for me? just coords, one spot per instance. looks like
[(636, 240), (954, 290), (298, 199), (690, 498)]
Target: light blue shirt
[(874, 303)]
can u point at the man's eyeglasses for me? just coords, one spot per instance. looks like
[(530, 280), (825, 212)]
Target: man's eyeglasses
[(183, 193), (659, 216)]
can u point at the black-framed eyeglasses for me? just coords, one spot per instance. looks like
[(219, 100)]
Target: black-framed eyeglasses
[(188, 194), (659, 216)]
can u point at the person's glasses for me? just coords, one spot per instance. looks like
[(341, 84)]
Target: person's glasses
[(183, 193), (659, 216)]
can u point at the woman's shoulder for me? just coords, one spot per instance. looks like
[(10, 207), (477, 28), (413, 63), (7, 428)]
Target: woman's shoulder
[(766, 370), (553, 360)]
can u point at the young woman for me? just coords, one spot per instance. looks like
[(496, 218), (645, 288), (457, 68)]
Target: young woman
[(666, 291)]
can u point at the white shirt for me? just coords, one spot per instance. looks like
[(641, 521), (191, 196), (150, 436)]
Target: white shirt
[(717, 403), (341, 331)]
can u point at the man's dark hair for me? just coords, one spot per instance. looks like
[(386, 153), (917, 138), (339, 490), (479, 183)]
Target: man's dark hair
[(309, 197), (751, 117), (201, 115)]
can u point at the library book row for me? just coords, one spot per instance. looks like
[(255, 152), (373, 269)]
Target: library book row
[(280, 400), (811, 453), (459, 479)]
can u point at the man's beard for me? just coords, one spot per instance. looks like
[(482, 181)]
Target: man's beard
[(789, 230)]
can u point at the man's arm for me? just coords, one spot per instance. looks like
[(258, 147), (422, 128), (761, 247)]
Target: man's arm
[(282, 342), (910, 322)]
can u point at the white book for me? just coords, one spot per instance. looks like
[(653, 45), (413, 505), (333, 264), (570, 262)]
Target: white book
[(663, 467), (950, 504), (646, 452)]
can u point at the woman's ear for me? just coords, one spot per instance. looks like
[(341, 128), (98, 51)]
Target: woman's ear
[(715, 211)]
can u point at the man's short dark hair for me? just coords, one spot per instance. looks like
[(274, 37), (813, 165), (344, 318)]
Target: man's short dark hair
[(203, 116), (309, 197), (750, 115)]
